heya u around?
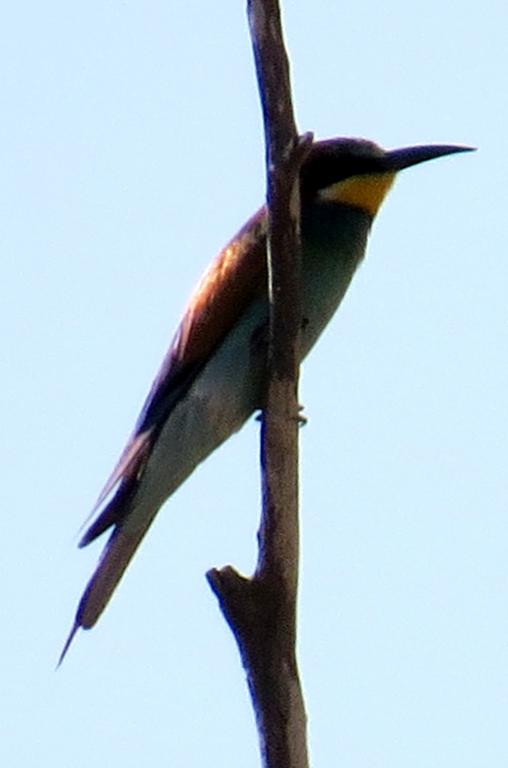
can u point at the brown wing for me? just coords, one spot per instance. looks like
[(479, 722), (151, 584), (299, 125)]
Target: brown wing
[(225, 290)]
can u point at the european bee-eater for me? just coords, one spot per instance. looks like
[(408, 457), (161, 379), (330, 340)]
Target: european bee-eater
[(211, 379)]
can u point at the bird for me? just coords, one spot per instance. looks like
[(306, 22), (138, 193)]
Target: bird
[(211, 379)]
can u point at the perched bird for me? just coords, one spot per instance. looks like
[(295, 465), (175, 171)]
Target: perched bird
[(211, 379)]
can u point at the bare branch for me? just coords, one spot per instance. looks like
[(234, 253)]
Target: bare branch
[(262, 611)]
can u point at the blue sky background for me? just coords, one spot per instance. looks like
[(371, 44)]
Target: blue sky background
[(130, 151)]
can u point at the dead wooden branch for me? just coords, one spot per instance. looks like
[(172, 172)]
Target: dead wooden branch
[(261, 611)]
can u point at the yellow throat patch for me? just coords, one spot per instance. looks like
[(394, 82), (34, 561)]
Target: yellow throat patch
[(365, 191)]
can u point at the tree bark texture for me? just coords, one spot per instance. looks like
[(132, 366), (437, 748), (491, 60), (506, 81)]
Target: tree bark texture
[(261, 610)]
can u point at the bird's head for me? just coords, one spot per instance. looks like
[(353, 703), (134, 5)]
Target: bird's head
[(359, 173)]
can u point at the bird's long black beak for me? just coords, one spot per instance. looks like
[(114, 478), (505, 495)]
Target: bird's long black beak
[(397, 159)]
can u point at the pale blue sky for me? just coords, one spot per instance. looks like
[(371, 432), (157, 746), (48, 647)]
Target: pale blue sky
[(131, 150)]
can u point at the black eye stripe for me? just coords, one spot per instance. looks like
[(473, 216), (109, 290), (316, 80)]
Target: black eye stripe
[(334, 161)]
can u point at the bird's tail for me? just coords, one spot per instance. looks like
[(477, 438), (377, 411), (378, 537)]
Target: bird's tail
[(114, 559), (129, 529)]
